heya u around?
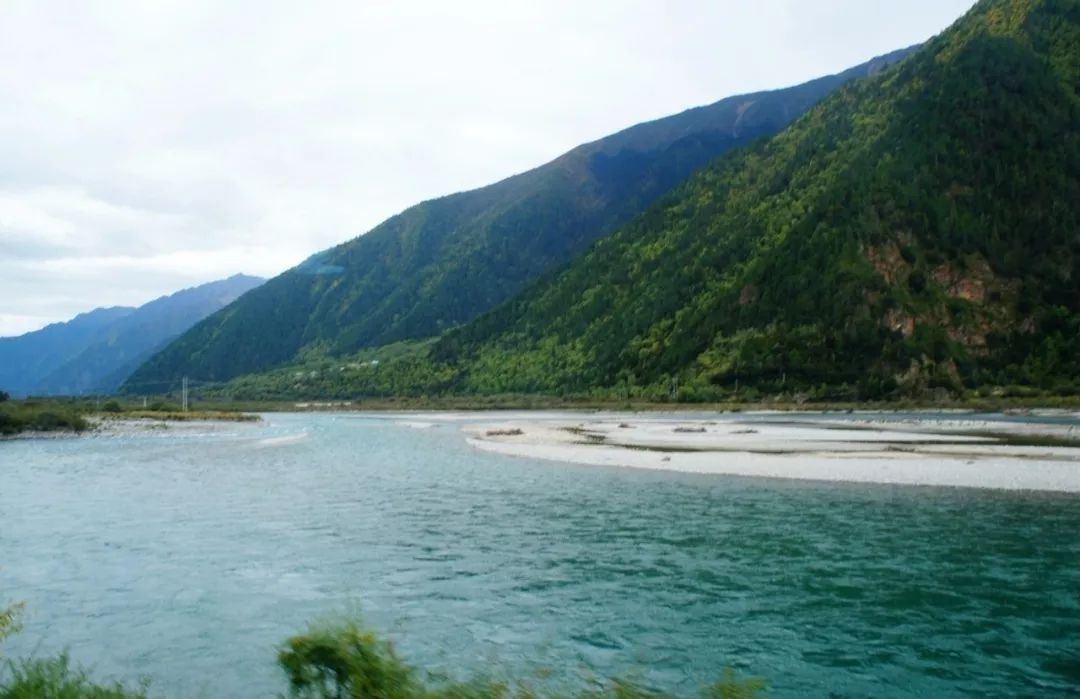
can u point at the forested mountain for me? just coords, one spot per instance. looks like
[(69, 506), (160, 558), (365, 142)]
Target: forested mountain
[(96, 351), (914, 231), (443, 262)]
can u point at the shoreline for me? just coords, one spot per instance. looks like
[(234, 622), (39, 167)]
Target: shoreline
[(121, 425), (999, 453), (1037, 451)]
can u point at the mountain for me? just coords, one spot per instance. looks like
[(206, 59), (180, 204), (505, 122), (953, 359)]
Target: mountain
[(96, 351), (27, 358), (443, 262), (915, 232)]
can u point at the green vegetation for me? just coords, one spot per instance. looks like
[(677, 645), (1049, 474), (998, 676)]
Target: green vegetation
[(339, 661), (913, 237), (400, 370), (9, 621), (56, 678), (191, 415), (76, 414), (444, 262), (345, 660), (41, 416), (915, 233)]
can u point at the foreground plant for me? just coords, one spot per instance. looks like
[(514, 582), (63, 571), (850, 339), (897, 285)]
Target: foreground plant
[(345, 661), (9, 621), (57, 678), (342, 660)]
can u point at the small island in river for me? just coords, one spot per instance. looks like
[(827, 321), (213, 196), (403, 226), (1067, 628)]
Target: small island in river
[(1001, 451)]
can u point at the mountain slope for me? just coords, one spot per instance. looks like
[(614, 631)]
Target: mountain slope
[(83, 357), (443, 262), (28, 357), (917, 231)]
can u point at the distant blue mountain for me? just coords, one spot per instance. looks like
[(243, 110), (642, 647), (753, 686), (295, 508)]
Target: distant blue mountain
[(94, 352)]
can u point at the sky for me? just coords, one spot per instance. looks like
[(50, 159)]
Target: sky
[(147, 147)]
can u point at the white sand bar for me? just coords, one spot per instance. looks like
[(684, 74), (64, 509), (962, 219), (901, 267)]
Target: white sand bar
[(978, 452)]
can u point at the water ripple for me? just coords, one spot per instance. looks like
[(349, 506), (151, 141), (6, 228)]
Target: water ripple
[(186, 558)]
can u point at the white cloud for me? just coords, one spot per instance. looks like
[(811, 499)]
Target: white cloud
[(148, 146)]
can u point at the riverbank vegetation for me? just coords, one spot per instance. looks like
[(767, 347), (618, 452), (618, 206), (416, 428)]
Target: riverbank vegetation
[(409, 378), (339, 661), (182, 416), (41, 416), (78, 415)]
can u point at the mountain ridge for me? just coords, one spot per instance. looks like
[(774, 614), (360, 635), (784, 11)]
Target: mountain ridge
[(444, 261), (94, 352), (37, 352), (907, 201), (913, 235)]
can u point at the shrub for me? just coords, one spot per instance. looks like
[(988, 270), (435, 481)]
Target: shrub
[(17, 416), (336, 662), (51, 420), (343, 661)]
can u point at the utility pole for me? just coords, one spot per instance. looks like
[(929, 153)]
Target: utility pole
[(184, 395)]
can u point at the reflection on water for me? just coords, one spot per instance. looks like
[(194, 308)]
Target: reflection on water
[(188, 558)]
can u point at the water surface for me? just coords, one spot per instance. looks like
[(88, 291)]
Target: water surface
[(188, 557)]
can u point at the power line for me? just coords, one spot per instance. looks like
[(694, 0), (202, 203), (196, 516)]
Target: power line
[(169, 383)]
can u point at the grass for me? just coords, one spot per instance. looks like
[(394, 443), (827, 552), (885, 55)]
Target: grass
[(59, 415), (1026, 440), (57, 678), (342, 660), (589, 436), (504, 433), (181, 416)]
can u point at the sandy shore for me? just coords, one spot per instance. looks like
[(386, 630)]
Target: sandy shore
[(120, 426), (953, 450)]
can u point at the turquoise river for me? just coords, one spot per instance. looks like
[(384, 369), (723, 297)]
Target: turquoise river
[(187, 556)]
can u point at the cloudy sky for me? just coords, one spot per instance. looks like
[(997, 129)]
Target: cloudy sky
[(150, 146)]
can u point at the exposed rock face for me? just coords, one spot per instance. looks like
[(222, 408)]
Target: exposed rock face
[(898, 321), (989, 301)]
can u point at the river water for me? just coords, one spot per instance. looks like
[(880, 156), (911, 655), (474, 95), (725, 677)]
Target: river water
[(188, 556)]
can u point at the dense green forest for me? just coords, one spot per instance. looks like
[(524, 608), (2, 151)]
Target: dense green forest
[(917, 231), (916, 234), (443, 262)]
